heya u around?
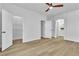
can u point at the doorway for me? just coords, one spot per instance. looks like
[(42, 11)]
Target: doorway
[(17, 30), (8, 24), (42, 29), (59, 28)]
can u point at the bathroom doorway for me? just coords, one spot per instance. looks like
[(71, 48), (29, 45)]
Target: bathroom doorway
[(59, 28)]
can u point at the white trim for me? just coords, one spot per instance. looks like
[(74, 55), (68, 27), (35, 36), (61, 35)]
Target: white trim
[(31, 39), (71, 40)]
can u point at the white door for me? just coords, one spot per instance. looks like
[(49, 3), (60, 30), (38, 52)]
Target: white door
[(6, 30)]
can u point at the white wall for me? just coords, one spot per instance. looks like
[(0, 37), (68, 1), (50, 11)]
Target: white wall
[(17, 28), (53, 27), (71, 22), (48, 29), (0, 29), (31, 26)]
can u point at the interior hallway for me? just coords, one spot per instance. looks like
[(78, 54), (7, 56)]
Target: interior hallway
[(43, 47)]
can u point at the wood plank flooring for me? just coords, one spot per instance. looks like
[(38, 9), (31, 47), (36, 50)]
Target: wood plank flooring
[(43, 47)]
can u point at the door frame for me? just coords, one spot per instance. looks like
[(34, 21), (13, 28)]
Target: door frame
[(56, 28)]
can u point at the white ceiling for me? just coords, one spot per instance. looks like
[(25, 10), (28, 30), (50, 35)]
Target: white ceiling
[(41, 7)]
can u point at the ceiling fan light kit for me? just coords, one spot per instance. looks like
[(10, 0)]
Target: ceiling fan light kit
[(51, 6)]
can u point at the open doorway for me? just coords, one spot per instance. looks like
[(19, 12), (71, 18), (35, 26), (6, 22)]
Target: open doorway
[(42, 29), (17, 30), (59, 28)]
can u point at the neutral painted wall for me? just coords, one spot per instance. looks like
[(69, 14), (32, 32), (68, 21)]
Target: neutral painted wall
[(31, 26), (71, 22), (53, 28), (17, 28), (0, 29), (48, 29)]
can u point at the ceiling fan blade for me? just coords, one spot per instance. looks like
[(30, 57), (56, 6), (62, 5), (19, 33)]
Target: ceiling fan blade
[(58, 6), (50, 4), (47, 4), (47, 10)]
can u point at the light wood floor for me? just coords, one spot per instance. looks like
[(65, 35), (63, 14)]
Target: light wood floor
[(43, 47)]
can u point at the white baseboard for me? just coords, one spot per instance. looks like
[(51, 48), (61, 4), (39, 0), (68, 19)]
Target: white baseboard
[(71, 40), (31, 40), (17, 38), (47, 36)]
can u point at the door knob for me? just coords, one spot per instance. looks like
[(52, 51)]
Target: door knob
[(3, 32)]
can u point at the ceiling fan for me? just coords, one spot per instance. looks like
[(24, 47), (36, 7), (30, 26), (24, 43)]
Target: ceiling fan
[(52, 6)]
